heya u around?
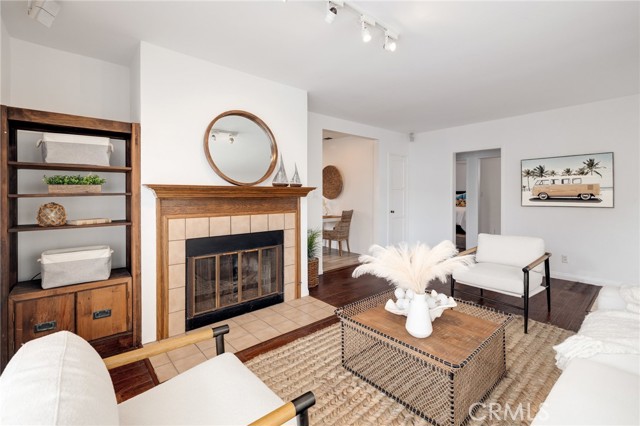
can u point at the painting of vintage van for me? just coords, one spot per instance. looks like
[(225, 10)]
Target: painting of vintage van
[(570, 181)]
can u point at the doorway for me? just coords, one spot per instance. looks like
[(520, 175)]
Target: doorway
[(353, 157), (397, 198), (477, 199)]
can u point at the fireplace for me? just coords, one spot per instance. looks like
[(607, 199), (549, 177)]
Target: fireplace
[(230, 275), (186, 212)]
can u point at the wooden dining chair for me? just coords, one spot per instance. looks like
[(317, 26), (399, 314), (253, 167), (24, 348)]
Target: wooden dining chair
[(340, 232)]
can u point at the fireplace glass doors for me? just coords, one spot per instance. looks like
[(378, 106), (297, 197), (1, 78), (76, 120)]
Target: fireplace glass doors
[(231, 275)]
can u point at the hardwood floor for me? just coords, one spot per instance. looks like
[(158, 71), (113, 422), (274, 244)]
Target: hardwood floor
[(570, 302), (331, 259)]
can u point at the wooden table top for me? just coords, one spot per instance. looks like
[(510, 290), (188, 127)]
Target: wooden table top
[(455, 335)]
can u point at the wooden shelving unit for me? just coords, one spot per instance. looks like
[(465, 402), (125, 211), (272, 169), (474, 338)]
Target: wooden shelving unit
[(22, 299)]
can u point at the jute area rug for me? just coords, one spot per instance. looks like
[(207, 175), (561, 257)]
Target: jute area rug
[(313, 363)]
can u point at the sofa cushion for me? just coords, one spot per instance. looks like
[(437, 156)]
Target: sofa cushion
[(592, 393), (609, 298), (501, 278), (220, 391), (510, 250), (57, 379)]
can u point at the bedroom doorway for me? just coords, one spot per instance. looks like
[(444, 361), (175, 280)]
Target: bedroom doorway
[(477, 198)]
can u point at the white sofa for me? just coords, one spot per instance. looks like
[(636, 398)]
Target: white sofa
[(603, 389), (60, 379)]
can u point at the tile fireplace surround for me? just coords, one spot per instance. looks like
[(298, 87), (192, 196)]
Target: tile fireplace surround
[(184, 212)]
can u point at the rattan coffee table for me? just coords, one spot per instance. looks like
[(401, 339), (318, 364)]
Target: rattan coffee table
[(439, 378)]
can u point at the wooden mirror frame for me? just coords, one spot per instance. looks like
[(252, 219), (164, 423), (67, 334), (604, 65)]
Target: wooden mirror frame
[(263, 126)]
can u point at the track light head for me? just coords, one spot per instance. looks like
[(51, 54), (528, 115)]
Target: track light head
[(366, 23), (43, 11), (332, 12), (390, 41)]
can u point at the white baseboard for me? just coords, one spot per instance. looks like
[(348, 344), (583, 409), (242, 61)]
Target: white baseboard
[(586, 280)]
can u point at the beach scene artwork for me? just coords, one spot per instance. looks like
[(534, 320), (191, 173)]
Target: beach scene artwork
[(584, 180)]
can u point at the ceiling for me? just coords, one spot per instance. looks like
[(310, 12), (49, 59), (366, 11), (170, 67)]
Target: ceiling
[(456, 63)]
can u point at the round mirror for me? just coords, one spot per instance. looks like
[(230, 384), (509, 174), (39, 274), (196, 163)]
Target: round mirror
[(240, 148)]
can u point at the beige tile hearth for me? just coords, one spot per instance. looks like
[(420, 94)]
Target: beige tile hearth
[(244, 331)]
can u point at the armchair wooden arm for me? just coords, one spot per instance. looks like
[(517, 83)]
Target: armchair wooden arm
[(169, 344), (468, 251), (296, 407), (536, 262)]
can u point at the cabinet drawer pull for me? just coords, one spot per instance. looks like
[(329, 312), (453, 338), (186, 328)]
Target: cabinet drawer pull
[(45, 326), (105, 313)]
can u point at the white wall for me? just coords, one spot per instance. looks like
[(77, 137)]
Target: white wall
[(387, 142), (602, 244), (179, 96), (489, 196), (461, 175), (354, 157), (472, 186), (5, 51), (54, 80)]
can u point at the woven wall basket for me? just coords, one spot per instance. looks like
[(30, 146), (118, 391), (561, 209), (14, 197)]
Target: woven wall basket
[(331, 182), (51, 214)]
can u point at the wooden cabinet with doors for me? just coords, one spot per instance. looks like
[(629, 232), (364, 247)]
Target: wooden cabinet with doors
[(107, 313), (92, 310)]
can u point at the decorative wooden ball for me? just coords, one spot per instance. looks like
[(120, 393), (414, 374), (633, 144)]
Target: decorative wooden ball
[(51, 214)]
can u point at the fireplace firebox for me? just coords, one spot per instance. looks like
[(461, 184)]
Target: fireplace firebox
[(231, 275)]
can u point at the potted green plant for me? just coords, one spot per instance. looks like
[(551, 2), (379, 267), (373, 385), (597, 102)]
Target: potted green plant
[(73, 184), (314, 239)]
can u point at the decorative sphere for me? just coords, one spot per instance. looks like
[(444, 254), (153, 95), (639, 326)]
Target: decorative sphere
[(51, 214), (409, 294), (399, 293)]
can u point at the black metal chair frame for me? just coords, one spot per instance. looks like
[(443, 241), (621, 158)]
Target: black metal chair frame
[(525, 294)]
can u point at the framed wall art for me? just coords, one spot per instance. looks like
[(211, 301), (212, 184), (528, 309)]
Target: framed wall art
[(584, 180)]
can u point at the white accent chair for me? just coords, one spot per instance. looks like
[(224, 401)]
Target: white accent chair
[(509, 265), (60, 379)]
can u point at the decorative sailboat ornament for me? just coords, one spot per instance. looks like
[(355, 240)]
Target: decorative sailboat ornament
[(295, 180), (281, 176)]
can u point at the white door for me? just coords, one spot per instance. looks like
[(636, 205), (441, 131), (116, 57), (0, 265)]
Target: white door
[(397, 198), (489, 203)]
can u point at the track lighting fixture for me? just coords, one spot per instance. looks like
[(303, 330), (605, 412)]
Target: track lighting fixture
[(43, 11), (390, 41), (366, 22), (224, 136), (332, 11)]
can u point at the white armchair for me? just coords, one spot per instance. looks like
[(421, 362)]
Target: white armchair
[(60, 379), (509, 265)]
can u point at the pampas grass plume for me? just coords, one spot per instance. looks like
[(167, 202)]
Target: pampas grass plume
[(412, 268)]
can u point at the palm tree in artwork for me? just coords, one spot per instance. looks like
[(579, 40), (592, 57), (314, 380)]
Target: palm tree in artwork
[(527, 173), (582, 171), (540, 171), (553, 173), (591, 166), (567, 172)]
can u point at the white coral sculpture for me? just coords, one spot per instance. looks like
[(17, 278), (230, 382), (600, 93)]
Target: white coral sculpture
[(412, 268)]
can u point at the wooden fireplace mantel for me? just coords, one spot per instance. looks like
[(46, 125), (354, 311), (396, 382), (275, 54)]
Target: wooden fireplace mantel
[(193, 202), (203, 191)]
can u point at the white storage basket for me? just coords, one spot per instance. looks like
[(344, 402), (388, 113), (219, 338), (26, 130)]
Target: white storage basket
[(75, 265), (75, 149)]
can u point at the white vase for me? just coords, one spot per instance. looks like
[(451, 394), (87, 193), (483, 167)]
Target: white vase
[(418, 319)]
